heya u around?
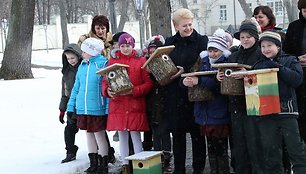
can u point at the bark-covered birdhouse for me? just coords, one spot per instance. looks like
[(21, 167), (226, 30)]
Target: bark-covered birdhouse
[(229, 85), (161, 65), (261, 92), (117, 77), (198, 92)]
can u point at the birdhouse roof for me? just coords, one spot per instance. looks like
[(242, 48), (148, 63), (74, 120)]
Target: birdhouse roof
[(144, 155), (112, 67), (159, 51), (199, 73), (231, 65)]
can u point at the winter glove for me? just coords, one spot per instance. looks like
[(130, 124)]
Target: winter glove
[(61, 117)]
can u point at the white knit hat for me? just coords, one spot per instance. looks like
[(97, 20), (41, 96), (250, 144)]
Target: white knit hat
[(218, 40), (92, 46)]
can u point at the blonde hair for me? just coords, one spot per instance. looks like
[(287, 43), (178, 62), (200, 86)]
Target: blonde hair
[(180, 14)]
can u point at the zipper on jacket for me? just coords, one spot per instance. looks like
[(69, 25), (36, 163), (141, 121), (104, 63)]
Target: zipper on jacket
[(99, 92), (85, 97)]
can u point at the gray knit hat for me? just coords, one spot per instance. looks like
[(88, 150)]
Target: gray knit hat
[(248, 27)]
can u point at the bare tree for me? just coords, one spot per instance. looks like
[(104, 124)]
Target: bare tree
[(124, 14), (291, 8), (160, 17), (65, 39), (16, 62), (184, 3), (246, 8)]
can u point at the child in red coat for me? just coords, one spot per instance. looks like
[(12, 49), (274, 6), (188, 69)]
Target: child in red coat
[(127, 111)]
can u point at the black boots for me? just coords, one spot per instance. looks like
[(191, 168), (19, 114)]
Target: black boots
[(102, 165), (111, 155), (71, 154), (125, 169), (93, 158), (166, 159), (98, 164)]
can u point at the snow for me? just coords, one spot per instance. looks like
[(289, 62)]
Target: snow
[(32, 138)]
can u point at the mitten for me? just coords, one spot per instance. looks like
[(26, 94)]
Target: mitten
[(61, 117)]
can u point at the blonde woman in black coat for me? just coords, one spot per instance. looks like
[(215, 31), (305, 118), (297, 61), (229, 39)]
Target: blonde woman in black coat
[(178, 110)]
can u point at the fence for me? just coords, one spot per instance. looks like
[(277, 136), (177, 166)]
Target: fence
[(50, 36)]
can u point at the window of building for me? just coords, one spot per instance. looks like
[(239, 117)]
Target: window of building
[(276, 6), (223, 13), (195, 1), (278, 10)]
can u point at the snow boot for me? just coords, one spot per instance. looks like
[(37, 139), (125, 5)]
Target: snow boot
[(93, 158), (223, 164), (213, 163), (102, 165), (111, 155), (166, 159), (71, 154), (125, 169)]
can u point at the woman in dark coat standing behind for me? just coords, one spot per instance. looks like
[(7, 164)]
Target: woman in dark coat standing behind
[(295, 44), (178, 110)]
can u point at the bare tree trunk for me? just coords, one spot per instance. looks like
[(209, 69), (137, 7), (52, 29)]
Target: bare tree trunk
[(160, 17), (75, 12), (65, 39), (184, 3), (146, 18), (291, 8), (16, 62), (246, 9), (123, 17), (44, 11), (38, 12), (48, 11)]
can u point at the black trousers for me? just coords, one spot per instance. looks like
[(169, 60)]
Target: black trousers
[(69, 134), (198, 150)]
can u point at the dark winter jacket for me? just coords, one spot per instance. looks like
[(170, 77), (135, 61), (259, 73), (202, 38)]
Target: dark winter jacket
[(178, 110), (289, 77), (243, 56), (69, 73), (212, 112), (293, 45), (294, 37)]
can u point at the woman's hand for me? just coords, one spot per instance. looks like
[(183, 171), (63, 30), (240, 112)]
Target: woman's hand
[(178, 74)]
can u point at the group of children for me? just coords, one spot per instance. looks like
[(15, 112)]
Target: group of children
[(257, 141)]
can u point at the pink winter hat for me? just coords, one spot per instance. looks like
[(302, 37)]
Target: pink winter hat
[(126, 39)]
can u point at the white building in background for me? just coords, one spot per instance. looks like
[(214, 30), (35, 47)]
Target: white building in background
[(228, 14)]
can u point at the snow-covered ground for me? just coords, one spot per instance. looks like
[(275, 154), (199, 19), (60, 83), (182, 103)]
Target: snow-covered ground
[(31, 136)]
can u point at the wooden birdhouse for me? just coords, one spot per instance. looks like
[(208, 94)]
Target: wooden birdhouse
[(146, 162), (117, 77), (198, 92), (161, 65), (261, 92), (229, 85)]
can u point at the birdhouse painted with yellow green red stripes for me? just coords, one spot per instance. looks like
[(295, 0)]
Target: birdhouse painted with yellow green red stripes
[(146, 162), (261, 92)]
